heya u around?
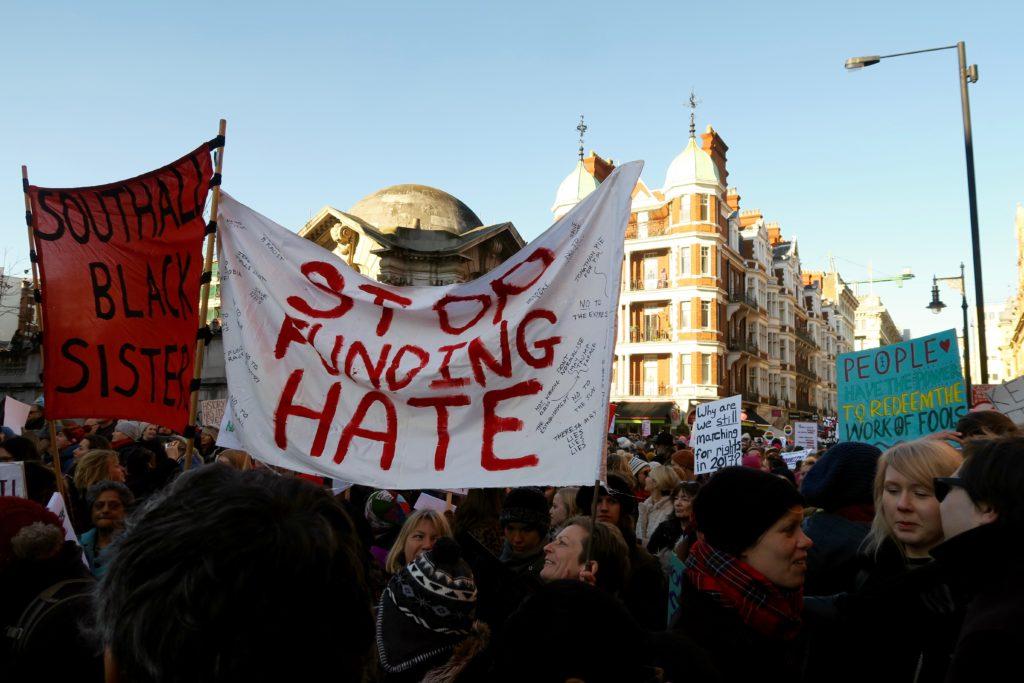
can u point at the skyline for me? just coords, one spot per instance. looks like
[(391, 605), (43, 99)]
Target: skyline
[(483, 103)]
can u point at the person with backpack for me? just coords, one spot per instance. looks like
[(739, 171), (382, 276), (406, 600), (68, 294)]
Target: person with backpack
[(45, 591)]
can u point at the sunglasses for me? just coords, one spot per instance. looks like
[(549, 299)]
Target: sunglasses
[(943, 485)]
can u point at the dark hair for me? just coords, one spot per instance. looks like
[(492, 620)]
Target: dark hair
[(608, 549), (690, 488), (993, 473), (230, 576), (100, 487), (481, 506), (985, 423), (20, 448), (97, 442)]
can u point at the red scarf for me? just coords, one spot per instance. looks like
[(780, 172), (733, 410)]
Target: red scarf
[(768, 609)]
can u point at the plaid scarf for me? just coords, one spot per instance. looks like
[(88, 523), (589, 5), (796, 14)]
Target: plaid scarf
[(763, 606)]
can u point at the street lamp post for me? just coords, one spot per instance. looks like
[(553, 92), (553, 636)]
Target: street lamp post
[(967, 74), (936, 307)]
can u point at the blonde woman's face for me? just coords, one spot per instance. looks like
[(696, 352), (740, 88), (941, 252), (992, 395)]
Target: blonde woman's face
[(422, 538), (912, 513), (559, 513)]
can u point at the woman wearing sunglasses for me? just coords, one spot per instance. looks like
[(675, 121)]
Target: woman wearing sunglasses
[(982, 507)]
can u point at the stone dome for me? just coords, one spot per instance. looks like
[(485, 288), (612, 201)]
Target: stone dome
[(574, 188), (415, 206), (693, 166)]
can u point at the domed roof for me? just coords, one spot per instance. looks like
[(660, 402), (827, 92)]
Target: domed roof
[(415, 206), (574, 188), (693, 166)]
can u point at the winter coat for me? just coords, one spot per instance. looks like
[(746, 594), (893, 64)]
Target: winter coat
[(833, 561), (985, 567), (646, 591), (651, 513), (899, 626), (737, 651)]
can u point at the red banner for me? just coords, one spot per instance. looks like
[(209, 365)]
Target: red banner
[(120, 266)]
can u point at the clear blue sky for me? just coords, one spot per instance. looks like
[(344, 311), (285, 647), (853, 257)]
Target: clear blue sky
[(327, 102)]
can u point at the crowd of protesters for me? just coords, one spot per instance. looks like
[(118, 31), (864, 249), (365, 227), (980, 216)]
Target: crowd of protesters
[(853, 564)]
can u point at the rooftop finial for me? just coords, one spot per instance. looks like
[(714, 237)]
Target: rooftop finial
[(693, 108), (582, 128)]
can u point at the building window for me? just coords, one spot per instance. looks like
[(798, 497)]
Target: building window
[(705, 314), (684, 314), (684, 261), (705, 260), (705, 209), (705, 368), (685, 376)]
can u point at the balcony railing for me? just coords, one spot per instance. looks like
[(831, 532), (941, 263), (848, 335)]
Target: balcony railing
[(742, 345), (745, 298), (640, 285), (631, 231), (645, 389), (806, 371), (657, 228), (650, 334), (806, 336)]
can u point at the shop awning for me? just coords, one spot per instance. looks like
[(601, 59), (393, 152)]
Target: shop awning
[(634, 410), (754, 419)]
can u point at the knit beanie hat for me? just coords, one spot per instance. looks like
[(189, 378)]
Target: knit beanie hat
[(752, 459), (16, 514), (426, 609), (637, 464), (738, 504), (684, 458), (130, 429), (385, 510), (527, 506), (844, 476), (617, 487)]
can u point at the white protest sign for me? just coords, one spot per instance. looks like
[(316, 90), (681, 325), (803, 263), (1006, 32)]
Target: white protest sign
[(57, 507), (1008, 399), (429, 502), (645, 428), (793, 457), (716, 435), (12, 479), (227, 435), (211, 412), (15, 414), (805, 435), (501, 381)]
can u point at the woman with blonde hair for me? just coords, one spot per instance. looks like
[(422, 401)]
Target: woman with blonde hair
[(618, 463), (563, 508), (239, 460), (419, 533), (907, 524), (661, 481)]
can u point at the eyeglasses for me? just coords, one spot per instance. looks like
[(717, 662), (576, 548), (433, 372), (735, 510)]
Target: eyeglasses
[(943, 485)]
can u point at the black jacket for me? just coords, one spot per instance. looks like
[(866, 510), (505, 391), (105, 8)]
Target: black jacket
[(737, 651), (985, 567), (832, 562)]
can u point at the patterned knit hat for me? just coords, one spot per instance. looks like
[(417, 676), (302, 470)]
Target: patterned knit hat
[(426, 609), (133, 430), (636, 464), (385, 510), (527, 506)]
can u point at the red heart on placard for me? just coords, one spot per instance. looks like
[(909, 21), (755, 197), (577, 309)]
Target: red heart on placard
[(944, 344)]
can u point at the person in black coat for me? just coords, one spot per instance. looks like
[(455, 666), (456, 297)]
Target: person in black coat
[(982, 509), (741, 597), (646, 592)]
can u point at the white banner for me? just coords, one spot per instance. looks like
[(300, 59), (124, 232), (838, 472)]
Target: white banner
[(12, 479), (1008, 398), (15, 414), (502, 381), (716, 435), (805, 435)]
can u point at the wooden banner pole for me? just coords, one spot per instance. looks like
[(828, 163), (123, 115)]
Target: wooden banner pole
[(204, 302), (37, 297)]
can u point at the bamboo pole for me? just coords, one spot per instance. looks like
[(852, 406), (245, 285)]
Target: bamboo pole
[(36, 295), (204, 302)]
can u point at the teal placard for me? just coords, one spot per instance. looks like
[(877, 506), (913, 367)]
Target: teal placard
[(902, 391)]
